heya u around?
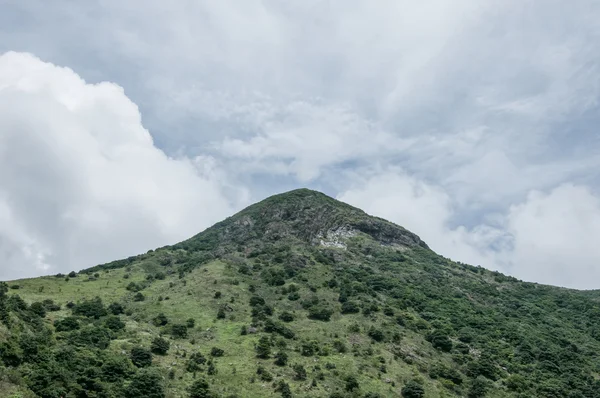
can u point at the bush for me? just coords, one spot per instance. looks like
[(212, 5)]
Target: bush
[(216, 352), (351, 383), (412, 389), (147, 383), (478, 388), (114, 323), (139, 297), (66, 324), (160, 320), (190, 323), (350, 307), (200, 389), (38, 309), (116, 309), (284, 389), (195, 362), (281, 358), (320, 313), (376, 334), (160, 346), (141, 357), (263, 348), (90, 308), (179, 331), (115, 369), (72, 274), (299, 372), (286, 316)]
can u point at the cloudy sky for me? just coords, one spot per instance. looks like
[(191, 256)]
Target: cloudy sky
[(127, 125)]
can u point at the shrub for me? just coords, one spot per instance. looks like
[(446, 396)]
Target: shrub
[(114, 323), (141, 357), (284, 389), (190, 323), (160, 346), (116, 309), (147, 383), (200, 389), (179, 331), (351, 383), (139, 297), (195, 362), (281, 358), (216, 352), (376, 334), (320, 313), (66, 324), (263, 348), (299, 372), (90, 308), (350, 307), (286, 316), (160, 320), (38, 309), (412, 389), (221, 313)]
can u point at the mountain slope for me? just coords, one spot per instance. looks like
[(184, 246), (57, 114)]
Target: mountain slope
[(307, 297)]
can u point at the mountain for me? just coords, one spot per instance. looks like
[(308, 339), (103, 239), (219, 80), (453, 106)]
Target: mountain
[(299, 295)]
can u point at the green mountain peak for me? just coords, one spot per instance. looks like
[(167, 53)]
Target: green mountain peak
[(299, 295)]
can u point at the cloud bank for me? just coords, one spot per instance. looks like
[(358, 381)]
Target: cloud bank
[(482, 115), (81, 181)]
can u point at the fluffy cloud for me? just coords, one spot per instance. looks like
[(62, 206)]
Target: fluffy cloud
[(81, 181), (478, 103), (550, 237)]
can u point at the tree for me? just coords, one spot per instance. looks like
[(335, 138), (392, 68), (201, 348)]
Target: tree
[(200, 389), (116, 309), (195, 362), (114, 323), (66, 324), (299, 372), (284, 389), (179, 331), (478, 388), (350, 307), (90, 308), (320, 313), (139, 296), (160, 320), (190, 323), (159, 346), (115, 369), (281, 358), (263, 348), (147, 383), (141, 357), (412, 389), (351, 383), (286, 316), (72, 274), (216, 352), (38, 308), (221, 313)]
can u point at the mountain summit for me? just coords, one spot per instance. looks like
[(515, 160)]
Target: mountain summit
[(300, 216), (299, 295)]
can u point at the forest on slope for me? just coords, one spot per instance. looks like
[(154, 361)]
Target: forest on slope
[(296, 296)]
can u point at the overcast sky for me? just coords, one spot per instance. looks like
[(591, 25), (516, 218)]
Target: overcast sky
[(128, 125)]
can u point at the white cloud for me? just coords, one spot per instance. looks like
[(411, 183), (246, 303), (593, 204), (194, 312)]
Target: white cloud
[(81, 181), (548, 238), (485, 101)]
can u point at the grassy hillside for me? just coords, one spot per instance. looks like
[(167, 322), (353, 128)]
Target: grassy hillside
[(303, 296)]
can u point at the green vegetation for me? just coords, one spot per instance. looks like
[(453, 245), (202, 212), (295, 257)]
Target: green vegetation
[(296, 296)]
